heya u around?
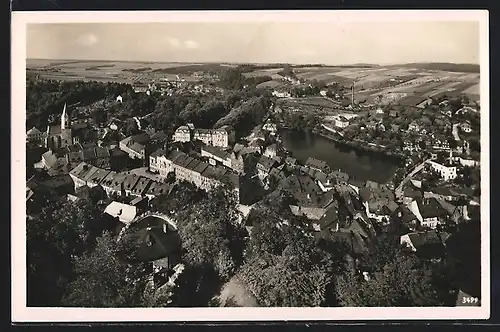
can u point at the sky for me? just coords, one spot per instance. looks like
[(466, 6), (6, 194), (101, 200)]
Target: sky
[(331, 43)]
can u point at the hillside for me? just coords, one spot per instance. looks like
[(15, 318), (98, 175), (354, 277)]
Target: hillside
[(443, 66)]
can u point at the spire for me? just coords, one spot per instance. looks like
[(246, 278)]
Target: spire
[(64, 118)]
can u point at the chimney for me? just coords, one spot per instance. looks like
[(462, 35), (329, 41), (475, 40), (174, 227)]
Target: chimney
[(352, 94)]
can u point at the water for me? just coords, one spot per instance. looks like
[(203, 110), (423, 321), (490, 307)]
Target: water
[(361, 165)]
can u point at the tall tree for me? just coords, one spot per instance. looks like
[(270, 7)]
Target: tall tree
[(104, 279)]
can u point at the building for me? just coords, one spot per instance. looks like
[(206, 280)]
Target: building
[(186, 168), (432, 213), (309, 199), (216, 155), (124, 212), (446, 172), (317, 164), (135, 146), (413, 126), (281, 94), (274, 150), (220, 137), (270, 126), (264, 166), (466, 127), (428, 244), (34, 136), (341, 122), (59, 136), (182, 134), (160, 162)]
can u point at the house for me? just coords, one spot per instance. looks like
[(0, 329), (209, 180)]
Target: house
[(341, 177), (410, 194), (447, 171), (407, 218), (221, 137), (355, 184), (270, 126), (317, 164), (310, 200), (182, 134), (432, 213), (135, 146), (274, 150), (425, 244), (329, 220), (119, 99), (378, 201), (216, 155), (124, 212), (413, 126), (281, 94), (341, 122), (466, 127), (264, 166), (34, 136), (325, 182)]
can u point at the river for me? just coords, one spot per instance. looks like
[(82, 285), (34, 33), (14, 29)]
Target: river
[(361, 165)]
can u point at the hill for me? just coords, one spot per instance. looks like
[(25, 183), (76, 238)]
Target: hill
[(443, 66)]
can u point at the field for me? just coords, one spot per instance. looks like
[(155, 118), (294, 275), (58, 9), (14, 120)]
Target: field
[(120, 71), (410, 82)]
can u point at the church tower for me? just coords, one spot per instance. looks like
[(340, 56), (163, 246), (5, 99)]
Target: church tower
[(65, 121), (66, 132)]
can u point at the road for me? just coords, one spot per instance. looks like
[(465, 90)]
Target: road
[(399, 189)]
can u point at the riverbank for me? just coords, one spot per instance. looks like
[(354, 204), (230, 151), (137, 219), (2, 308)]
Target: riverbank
[(358, 144)]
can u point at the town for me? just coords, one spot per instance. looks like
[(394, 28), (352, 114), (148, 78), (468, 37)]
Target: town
[(190, 180)]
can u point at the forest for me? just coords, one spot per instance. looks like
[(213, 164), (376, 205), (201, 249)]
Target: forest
[(281, 263)]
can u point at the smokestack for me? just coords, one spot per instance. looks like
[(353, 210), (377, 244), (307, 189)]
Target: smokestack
[(352, 94)]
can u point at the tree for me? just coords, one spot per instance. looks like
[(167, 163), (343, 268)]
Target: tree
[(284, 266), (104, 279), (403, 281), (61, 231), (210, 235), (182, 195)]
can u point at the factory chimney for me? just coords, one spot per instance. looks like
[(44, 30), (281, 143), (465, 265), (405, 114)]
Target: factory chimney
[(352, 94)]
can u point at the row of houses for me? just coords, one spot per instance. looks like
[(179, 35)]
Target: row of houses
[(116, 183), (204, 175)]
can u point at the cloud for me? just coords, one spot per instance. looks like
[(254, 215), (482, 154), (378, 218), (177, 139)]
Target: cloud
[(179, 44), (174, 42), (190, 44), (88, 39)]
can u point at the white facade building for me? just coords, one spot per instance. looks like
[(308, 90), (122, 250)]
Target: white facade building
[(446, 172)]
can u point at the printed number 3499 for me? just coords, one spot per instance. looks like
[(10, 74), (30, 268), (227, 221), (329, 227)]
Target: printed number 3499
[(470, 300)]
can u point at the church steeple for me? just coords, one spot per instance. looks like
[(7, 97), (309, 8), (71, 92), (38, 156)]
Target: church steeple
[(65, 122)]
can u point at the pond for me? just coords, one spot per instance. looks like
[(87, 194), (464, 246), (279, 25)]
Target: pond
[(361, 165)]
